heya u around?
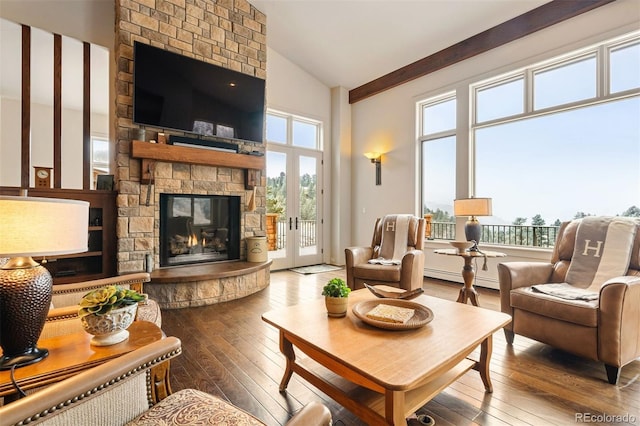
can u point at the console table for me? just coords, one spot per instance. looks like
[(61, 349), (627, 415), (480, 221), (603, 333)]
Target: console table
[(71, 354)]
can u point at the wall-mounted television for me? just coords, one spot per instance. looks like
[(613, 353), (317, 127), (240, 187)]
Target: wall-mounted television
[(172, 91)]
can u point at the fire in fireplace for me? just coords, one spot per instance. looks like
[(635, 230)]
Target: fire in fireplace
[(199, 228)]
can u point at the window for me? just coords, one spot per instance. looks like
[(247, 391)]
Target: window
[(438, 146), (565, 83), (624, 72), (99, 158), (574, 149), (548, 143), (501, 100), (293, 130)]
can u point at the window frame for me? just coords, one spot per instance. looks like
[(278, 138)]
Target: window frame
[(290, 119)]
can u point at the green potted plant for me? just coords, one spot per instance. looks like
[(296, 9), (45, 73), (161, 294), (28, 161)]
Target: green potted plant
[(336, 294), (107, 312)]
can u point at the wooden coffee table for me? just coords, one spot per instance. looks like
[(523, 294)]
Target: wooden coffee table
[(383, 376), (68, 355)]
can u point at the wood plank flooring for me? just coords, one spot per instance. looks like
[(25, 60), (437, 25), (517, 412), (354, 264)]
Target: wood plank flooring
[(230, 352)]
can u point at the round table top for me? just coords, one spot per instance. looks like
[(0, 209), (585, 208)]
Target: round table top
[(483, 253)]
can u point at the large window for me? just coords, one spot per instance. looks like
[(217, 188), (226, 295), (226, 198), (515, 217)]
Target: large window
[(293, 130), (438, 147), (548, 143)]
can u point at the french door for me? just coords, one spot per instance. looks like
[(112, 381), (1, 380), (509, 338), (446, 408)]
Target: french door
[(294, 193)]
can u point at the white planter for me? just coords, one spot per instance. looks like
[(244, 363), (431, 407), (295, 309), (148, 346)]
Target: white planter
[(110, 328)]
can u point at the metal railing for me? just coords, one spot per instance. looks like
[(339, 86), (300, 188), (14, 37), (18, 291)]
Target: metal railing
[(307, 233), (508, 235)]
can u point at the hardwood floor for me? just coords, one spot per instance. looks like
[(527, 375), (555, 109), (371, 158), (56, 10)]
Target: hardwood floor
[(230, 352)]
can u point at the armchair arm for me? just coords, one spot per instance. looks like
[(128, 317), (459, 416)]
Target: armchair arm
[(412, 270), (512, 275), (619, 321), (313, 413), (355, 256), (92, 394)]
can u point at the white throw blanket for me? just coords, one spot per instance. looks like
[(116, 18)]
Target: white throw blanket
[(395, 235), (566, 291), (602, 251)]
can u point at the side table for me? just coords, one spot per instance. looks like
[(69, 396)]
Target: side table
[(468, 271), (73, 353)]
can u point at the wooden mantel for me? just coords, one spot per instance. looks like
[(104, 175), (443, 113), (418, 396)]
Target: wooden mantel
[(183, 154)]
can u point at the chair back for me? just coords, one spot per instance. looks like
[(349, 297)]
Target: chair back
[(415, 239), (565, 243)]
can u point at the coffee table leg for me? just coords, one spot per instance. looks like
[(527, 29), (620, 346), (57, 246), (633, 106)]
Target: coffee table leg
[(468, 275), (287, 349), (394, 408), (486, 347)]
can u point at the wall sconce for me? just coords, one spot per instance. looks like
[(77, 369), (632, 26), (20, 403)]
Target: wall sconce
[(472, 207), (376, 158)]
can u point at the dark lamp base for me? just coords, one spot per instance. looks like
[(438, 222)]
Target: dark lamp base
[(31, 356), (473, 232)]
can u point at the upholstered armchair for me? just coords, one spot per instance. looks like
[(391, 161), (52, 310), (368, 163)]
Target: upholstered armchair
[(125, 391), (601, 323), (62, 318), (408, 274)]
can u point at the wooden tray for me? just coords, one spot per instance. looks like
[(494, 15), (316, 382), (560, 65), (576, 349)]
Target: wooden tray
[(421, 317)]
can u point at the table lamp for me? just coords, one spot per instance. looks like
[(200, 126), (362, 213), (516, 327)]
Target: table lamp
[(472, 207), (32, 226)]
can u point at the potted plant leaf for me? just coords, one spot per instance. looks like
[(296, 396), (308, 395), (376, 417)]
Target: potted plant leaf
[(336, 293)]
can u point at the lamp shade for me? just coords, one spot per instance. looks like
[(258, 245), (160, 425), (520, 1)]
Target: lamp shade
[(34, 226), (373, 156), (472, 207)]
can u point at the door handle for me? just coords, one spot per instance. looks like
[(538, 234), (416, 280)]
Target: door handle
[(296, 223), (290, 224)]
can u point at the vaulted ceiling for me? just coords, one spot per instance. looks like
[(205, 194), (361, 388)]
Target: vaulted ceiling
[(351, 42)]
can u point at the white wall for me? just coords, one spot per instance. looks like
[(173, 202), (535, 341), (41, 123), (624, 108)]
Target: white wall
[(91, 21), (386, 122)]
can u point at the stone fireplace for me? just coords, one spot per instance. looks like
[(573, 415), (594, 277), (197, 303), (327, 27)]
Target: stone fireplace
[(228, 33), (198, 229)]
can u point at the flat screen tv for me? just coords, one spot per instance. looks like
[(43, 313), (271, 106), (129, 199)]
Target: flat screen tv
[(172, 91)]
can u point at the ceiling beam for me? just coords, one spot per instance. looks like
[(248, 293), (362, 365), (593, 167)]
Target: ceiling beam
[(537, 19)]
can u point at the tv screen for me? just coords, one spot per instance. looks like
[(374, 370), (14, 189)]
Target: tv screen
[(172, 91)]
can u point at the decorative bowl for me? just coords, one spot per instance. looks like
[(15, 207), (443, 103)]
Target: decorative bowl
[(110, 328), (462, 246)]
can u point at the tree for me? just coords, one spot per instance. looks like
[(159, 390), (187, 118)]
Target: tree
[(580, 215), (440, 215), (519, 221), (632, 211), (537, 220)]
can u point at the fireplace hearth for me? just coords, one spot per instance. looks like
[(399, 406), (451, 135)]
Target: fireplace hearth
[(199, 228)]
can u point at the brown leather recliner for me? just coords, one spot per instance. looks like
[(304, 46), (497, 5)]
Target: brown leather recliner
[(408, 275), (606, 330)]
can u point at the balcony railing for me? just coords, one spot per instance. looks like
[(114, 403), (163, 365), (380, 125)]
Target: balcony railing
[(508, 235), (307, 233)]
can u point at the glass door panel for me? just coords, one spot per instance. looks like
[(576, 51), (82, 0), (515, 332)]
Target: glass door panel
[(293, 203), (307, 206)]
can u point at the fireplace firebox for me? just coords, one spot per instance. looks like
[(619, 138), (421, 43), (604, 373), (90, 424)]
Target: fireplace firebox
[(199, 228)]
